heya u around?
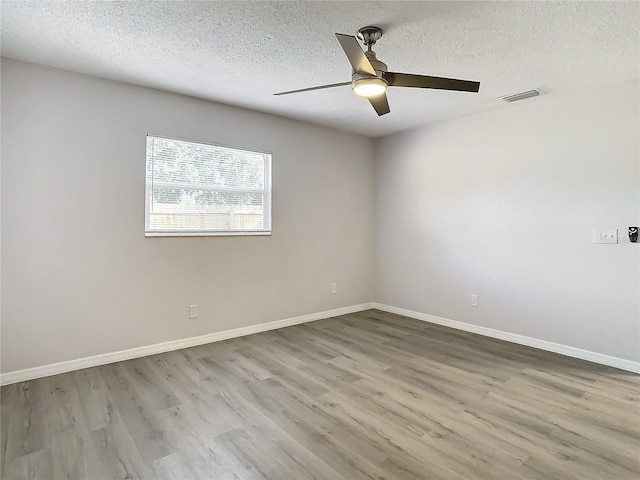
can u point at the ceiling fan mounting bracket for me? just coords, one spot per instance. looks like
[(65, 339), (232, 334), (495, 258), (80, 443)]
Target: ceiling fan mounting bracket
[(370, 35)]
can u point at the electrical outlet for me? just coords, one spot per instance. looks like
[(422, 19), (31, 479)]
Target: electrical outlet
[(334, 288), (193, 311), (474, 300)]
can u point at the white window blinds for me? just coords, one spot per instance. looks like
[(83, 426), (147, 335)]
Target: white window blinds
[(200, 189)]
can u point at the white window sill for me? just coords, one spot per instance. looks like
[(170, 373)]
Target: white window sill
[(249, 233)]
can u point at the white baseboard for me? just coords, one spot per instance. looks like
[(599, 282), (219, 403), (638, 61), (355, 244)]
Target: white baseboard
[(105, 358), (566, 350)]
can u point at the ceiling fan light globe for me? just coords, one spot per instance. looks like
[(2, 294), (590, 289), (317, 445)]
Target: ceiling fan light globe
[(369, 87)]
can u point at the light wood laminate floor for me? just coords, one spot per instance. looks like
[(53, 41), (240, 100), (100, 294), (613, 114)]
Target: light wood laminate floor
[(363, 396)]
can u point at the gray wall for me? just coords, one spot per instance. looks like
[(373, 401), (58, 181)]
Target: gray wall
[(79, 276), (503, 205), (500, 204)]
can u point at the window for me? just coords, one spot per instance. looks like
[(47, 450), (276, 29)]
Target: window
[(199, 189)]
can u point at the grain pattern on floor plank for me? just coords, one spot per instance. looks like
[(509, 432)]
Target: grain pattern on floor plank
[(364, 396)]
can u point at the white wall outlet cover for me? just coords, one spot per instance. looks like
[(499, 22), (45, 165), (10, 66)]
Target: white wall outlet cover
[(474, 300), (334, 288), (193, 311)]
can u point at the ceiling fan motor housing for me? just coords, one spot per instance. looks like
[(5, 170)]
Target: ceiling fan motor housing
[(377, 65), (358, 79)]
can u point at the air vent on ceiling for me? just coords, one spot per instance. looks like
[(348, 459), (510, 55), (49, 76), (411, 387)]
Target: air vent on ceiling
[(520, 96)]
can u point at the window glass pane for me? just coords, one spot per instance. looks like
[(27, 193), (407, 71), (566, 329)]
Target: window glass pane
[(196, 163), (194, 187)]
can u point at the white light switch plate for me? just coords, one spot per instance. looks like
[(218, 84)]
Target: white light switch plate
[(605, 236)]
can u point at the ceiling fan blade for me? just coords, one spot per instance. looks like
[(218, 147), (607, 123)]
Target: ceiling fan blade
[(423, 81), (314, 88), (356, 56), (380, 104)]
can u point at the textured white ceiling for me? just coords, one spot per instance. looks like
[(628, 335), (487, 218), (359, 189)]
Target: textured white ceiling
[(241, 53)]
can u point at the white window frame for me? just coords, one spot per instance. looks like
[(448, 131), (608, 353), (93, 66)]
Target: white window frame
[(266, 192)]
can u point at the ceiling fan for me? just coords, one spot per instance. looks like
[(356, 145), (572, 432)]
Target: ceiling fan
[(370, 77)]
